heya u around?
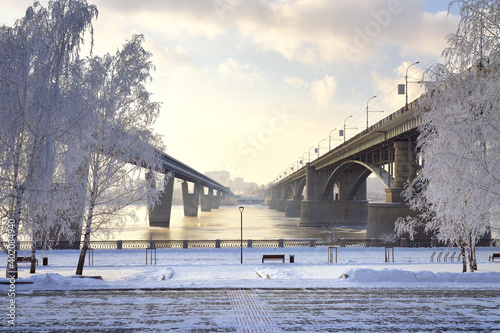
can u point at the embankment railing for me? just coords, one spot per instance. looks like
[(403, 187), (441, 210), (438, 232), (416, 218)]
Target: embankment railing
[(250, 243)]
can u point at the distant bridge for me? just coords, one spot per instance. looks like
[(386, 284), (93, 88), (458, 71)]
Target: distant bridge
[(335, 183), (206, 192)]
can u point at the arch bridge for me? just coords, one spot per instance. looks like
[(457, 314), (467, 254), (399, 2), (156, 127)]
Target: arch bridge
[(331, 190)]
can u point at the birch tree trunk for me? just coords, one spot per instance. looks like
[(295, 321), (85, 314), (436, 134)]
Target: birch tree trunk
[(464, 259), (33, 257)]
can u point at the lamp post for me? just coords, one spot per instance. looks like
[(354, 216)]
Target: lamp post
[(406, 84), (241, 239), (310, 153), (344, 125), (319, 144), (368, 111), (330, 139)]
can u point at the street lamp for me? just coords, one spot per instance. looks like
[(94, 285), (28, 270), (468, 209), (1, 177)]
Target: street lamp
[(241, 239), (369, 111), (310, 153), (406, 84), (330, 139), (344, 125), (319, 144)]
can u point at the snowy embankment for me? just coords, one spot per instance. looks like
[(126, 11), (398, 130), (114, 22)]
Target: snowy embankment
[(221, 268)]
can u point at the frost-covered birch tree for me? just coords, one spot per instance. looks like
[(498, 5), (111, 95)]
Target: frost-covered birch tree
[(37, 56), (459, 185), (120, 146)]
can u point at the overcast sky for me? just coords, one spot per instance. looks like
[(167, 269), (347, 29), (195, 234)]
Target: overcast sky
[(250, 86)]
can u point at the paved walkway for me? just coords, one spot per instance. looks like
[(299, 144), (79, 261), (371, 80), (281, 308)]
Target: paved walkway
[(261, 310)]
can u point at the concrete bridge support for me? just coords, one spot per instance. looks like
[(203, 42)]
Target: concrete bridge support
[(191, 200), (315, 183), (405, 169), (382, 216), (281, 205), (216, 200), (275, 196), (293, 207), (159, 216), (206, 200), (272, 203), (333, 213)]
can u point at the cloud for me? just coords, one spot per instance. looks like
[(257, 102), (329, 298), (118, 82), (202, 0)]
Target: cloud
[(243, 73), (295, 82), (386, 87), (322, 91), (312, 32)]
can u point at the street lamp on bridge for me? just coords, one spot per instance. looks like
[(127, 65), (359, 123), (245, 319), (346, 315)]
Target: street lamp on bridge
[(406, 83), (344, 126), (319, 144), (367, 111), (310, 153), (330, 139)]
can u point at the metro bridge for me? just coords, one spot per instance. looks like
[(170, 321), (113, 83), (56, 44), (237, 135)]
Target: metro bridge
[(206, 192), (335, 183)]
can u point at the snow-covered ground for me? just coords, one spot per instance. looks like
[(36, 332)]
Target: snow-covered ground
[(209, 290), (222, 268)]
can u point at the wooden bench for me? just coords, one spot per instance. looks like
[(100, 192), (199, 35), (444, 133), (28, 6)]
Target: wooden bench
[(273, 256), (495, 255), (26, 259)]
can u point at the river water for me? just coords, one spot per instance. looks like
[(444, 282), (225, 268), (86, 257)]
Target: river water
[(259, 222)]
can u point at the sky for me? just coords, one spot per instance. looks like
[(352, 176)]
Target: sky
[(254, 86)]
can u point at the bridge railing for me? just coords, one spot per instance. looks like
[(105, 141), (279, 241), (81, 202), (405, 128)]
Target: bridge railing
[(248, 243), (411, 107)]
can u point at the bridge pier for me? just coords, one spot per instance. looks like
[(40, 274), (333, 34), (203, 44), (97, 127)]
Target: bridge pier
[(281, 205), (292, 208), (405, 169), (319, 213), (216, 200), (382, 216), (206, 200), (191, 200), (159, 216), (272, 203)]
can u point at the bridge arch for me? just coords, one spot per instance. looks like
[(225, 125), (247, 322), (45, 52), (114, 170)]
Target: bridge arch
[(383, 175), (288, 192), (300, 187)]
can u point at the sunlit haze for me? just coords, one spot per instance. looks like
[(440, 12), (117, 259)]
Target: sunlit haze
[(252, 87)]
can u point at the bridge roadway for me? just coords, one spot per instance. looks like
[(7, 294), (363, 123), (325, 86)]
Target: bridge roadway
[(335, 183), (204, 191)]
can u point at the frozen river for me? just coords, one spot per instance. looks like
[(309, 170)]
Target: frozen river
[(259, 222)]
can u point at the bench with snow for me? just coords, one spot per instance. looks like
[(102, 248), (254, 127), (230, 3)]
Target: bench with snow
[(495, 255), (273, 257), (28, 259)]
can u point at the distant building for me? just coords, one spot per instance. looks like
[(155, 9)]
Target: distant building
[(222, 177), (238, 185)]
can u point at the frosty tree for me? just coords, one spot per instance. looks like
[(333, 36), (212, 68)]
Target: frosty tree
[(75, 133), (119, 144), (459, 185), (37, 57)]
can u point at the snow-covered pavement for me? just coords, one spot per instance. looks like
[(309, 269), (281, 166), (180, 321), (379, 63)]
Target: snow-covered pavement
[(208, 290), (349, 309)]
